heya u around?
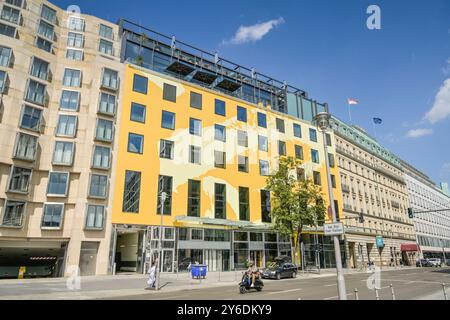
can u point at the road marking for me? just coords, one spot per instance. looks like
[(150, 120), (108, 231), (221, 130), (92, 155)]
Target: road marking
[(330, 285), (334, 297), (284, 291)]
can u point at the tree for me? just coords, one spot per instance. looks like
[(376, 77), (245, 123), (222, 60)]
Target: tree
[(295, 204)]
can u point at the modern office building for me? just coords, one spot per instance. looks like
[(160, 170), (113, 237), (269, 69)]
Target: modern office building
[(375, 200), (60, 76), (205, 133), (432, 227)]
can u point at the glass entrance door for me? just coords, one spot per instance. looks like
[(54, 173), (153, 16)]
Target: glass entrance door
[(167, 262), (256, 256)]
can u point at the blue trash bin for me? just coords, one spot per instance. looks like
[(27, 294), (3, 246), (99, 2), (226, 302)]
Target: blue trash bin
[(198, 270)]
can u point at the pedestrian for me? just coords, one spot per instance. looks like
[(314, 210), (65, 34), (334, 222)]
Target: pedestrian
[(152, 276)]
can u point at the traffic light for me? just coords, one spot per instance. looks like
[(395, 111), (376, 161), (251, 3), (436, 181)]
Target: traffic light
[(410, 213), (361, 217)]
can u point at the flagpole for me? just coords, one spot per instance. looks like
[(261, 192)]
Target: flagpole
[(374, 129), (349, 113)]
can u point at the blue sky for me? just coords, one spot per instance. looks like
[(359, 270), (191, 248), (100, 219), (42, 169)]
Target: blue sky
[(397, 73)]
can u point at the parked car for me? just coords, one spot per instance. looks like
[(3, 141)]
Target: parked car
[(280, 270), (435, 262), (423, 263)]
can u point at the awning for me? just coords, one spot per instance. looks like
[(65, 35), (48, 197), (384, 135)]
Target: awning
[(222, 222), (409, 247)]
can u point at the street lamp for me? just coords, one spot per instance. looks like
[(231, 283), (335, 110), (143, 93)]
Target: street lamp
[(163, 197), (322, 120)]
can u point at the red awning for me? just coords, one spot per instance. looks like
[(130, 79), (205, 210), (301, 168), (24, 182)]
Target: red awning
[(409, 247)]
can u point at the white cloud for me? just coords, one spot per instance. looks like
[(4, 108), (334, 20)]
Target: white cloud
[(441, 106), (417, 133), (446, 69), (254, 32)]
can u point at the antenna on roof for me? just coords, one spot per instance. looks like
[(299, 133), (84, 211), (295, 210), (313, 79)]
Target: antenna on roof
[(173, 43), (216, 58)]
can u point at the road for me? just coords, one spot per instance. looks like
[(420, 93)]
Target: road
[(408, 285)]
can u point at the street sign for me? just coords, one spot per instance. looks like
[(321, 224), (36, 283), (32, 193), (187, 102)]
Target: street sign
[(333, 229), (380, 242)]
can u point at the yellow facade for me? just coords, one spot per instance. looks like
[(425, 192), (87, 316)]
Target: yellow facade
[(151, 165)]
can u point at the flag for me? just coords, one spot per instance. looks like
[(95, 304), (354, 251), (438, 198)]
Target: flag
[(352, 101), (377, 120)]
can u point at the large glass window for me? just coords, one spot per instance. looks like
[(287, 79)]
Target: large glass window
[(46, 30), (196, 100), (53, 215), (10, 14), (165, 185), (110, 79), (137, 112), (105, 32), (7, 30), (70, 100), (74, 54), (75, 40), (241, 114), (35, 92), (265, 206), (262, 120), (313, 135), (219, 107), (194, 191), (72, 78), (48, 14), (67, 125), (140, 84), (107, 103), (58, 183), (105, 47), (195, 127), (98, 186), (135, 143), (104, 130), (26, 147), (220, 201), (242, 138), (19, 180), (131, 191), (166, 149), (31, 118), (169, 92), (13, 213), (220, 133), (95, 217), (297, 130), (263, 167), (244, 204), (76, 24), (194, 154), (314, 156), (5, 55), (63, 153), (168, 120), (101, 157), (220, 159), (262, 143)]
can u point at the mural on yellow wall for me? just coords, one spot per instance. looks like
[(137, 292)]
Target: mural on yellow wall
[(150, 165)]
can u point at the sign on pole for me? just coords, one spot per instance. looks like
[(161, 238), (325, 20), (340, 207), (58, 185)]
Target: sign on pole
[(333, 229)]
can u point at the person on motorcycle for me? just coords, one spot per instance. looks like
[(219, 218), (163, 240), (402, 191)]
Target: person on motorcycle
[(252, 272)]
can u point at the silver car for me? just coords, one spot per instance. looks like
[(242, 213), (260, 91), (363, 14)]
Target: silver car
[(435, 262)]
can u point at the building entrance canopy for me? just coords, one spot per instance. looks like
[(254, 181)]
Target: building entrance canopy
[(409, 247)]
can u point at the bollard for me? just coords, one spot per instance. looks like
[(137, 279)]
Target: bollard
[(356, 294), (445, 291), (376, 294), (392, 291)]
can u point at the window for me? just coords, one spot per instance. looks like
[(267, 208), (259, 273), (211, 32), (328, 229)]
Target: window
[(166, 149), (31, 118), (67, 125), (331, 160), (263, 168), (75, 54), (131, 192), (168, 120), (328, 139), (52, 216), (104, 130), (297, 130), (316, 178), (169, 92), (314, 156), (280, 125), (196, 100), (194, 191), (105, 32), (281, 148), (19, 180), (333, 181), (70, 100), (241, 114), (26, 147), (140, 84), (242, 163), (7, 30), (43, 44), (195, 127), (75, 40), (194, 154), (46, 30), (17, 3), (76, 24), (63, 153), (244, 204), (13, 213), (107, 104), (165, 185), (265, 206), (135, 143), (299, 152), (242, 138), (2, 81), (95, 216), (262, 121), (301, 176), (5, 56), (58, 183), (110, 79), (137, 112), (101, 157), (10, 14), (219, 132), (105, 47), (48, 14), (98, 186), (35, 92), (220, 201), (263, 144), (219, 107), (72, 78), (313, 135), (219, 159)]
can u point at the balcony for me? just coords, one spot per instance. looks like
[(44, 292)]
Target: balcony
[(345, 188)]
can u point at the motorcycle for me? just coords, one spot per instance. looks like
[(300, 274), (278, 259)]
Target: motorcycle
[(245, 284)]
